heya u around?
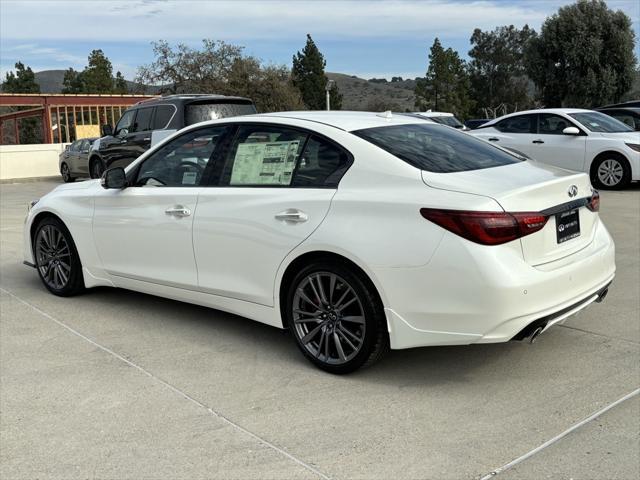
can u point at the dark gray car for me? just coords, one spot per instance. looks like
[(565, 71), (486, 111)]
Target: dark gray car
[(74, 160)]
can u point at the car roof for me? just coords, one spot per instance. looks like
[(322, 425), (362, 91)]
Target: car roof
[(539, 110), (346, 120), (620, 109), (192, 97)]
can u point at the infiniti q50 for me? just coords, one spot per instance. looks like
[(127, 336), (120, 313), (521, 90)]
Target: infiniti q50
[(358, 232)]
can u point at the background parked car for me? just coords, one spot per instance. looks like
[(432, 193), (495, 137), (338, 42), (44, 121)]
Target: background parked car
[(475, 123), (573, 139), (148, 122), (629, 116), (74, 161)]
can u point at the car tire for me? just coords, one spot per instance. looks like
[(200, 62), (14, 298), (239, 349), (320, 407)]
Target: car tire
[(57, 259), (96, 168), (611, 172), (66, 174), (336, 317)]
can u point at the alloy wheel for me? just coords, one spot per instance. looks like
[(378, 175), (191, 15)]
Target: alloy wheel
[(66, 174), (53, 257), (610, 172), (328, 318)]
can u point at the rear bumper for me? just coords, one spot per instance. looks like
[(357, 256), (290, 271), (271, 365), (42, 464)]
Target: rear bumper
[(472, 294)]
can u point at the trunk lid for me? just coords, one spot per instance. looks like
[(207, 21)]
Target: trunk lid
[(531, 187)]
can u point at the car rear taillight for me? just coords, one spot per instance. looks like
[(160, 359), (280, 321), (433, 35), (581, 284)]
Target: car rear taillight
[(594, 202), (486, 228)]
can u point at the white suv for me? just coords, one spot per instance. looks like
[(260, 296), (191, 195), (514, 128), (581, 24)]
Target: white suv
[(574, 139)]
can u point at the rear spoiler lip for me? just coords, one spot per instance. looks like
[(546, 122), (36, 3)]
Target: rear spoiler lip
[(565, 207)]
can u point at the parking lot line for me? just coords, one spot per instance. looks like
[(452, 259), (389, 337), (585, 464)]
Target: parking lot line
[(170, 387), (561, 435)]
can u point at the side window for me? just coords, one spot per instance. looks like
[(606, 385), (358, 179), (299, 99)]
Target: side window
[(143, 120), (83, 145), (163, 116), (517, 124), (124, 124), (182, 162), (263, 156), (75, 146), (549, 124), (321, 165)]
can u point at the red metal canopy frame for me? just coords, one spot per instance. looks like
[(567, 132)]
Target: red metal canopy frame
[(46, 105)]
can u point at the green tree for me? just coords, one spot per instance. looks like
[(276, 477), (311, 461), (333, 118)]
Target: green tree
[(446, 85), (72, 82), (497, 69), (120, 84), (97, 77), (219, 67), (269, 87), (309, 76), (23, 81), (583, 56)]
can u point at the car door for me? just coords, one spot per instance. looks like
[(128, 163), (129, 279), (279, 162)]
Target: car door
[(68, 156), (139, 137), (144, 232), (515, 132), (273, 191), (114, 149), (553, 147), (80, 160)]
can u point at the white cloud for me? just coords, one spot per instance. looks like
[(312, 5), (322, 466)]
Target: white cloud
[(145, 20)]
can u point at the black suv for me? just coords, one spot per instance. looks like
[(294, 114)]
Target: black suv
[(149, 121)]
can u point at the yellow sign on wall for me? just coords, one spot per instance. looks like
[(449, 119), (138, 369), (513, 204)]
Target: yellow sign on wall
[(85, 131)]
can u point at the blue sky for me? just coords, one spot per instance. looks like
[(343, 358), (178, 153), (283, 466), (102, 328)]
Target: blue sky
[(361, 37)]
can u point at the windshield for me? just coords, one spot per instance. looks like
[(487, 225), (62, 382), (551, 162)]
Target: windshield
[(202, 112), (435, 148), (450, 121), (599, 122)]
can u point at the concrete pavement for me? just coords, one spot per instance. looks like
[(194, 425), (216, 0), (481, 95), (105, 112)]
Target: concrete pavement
[(116, 384)]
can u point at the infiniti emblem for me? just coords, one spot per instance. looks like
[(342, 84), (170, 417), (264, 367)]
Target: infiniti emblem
[(573, 191)]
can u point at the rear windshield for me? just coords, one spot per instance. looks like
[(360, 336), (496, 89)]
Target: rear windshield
[(435, 148), (450, 121), (202, 112)]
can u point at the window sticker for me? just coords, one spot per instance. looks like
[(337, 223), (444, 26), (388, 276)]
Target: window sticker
[(264, 163), (189, 178)]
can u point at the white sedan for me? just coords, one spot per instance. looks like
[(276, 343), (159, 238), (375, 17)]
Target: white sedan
[(356, 231), (570, 138)]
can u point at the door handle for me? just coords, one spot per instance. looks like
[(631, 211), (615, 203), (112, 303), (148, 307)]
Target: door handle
[(146, 139), (178, 211), (123, 141), (538, 141), (493, 139), (293, 216)]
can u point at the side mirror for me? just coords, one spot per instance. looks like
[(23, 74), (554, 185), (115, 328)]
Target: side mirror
[(106, 130), (114, 178), (67, 147), (571, 131)]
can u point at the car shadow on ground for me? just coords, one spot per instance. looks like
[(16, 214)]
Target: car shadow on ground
[(426, 366)]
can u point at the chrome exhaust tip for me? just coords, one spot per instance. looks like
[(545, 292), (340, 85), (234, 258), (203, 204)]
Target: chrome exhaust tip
[(536, 333), (602, 296)]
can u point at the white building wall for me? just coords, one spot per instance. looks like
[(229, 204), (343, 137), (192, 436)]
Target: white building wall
[(29, 161)]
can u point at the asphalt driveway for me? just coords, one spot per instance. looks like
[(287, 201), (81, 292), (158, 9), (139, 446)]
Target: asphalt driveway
[(116, 384)]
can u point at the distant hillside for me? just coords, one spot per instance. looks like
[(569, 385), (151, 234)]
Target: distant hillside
[(51, 81), (358, 93), (374, 95)]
